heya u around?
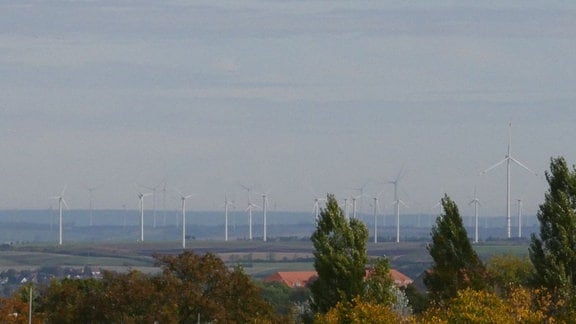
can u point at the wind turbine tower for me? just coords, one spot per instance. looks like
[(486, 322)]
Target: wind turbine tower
[(226, 204), (154, 189), (375, 219), (141, 198), (354, 205), (397, 203), (476, 202), (509, 158), (316, 209), (183, 199), (61, 202), (90, 192), (264, 211), (249, 210), (519, 218)]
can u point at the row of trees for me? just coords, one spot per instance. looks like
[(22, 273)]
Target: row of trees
[(190, 289)]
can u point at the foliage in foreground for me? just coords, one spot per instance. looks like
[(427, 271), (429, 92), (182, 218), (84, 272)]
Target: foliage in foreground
[(340, 257), (456, 266), (471, 306), (190, 287), (553, 252), (361, 311)]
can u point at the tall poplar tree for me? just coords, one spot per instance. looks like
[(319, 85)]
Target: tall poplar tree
[(340, 257), (456, 265), (553, 252)]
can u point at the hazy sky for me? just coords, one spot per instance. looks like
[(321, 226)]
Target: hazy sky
[(298, 98)]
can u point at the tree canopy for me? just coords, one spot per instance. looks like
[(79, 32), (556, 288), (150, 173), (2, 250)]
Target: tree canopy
[(553, 251), (340, 257), (456, 265), (190, 287)]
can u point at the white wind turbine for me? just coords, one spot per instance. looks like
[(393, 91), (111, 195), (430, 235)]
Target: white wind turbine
[(61, 202), (375, 219), (354, 205), (360, 196), (154, 189), (316, 209), (397, 202), (346, 214), (183, 209), (90, 194), (249, 209), (164, 204), (226, 204), (264, 211), (376, 210), (507, 160), (519, 218), (141, 198), (476, 203)]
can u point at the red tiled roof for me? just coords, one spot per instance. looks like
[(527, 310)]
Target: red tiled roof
[(294, 279), (400, 279)]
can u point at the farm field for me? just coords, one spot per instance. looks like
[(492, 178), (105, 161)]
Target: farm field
[(257, 258)]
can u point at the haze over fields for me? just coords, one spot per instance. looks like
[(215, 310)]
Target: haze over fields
[(295, 99)]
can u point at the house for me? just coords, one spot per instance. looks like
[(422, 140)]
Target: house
[(295, 279), (292, 279), (400, 280)]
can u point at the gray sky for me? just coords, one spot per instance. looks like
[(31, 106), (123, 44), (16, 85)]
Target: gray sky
[(297, 98)]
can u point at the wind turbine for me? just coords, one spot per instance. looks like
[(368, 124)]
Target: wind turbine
[(153, 201), (316, 209), (507, 160), (376, 210), (164, 205), (183, 199), (397, 202), (249, 210), (226, 204), (60, 202), (354, 205), (519, 218), (476, 202), (264, 211), (375, 219), (141, 198), (346, 208), (361, 196), (90, 193)]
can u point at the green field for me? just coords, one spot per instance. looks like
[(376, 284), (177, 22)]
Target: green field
[(258, 258)]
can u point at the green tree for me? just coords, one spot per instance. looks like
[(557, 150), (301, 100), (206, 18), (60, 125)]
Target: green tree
[(340, 257), (508, 271), (553, 252), (72, 301), (379, 286), (456, 265), (204, 286)]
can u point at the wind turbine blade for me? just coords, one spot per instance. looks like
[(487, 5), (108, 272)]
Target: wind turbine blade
[(179, 192), (63, 190), (401, 173), (494, 166), (65, 204), (522, 165)]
